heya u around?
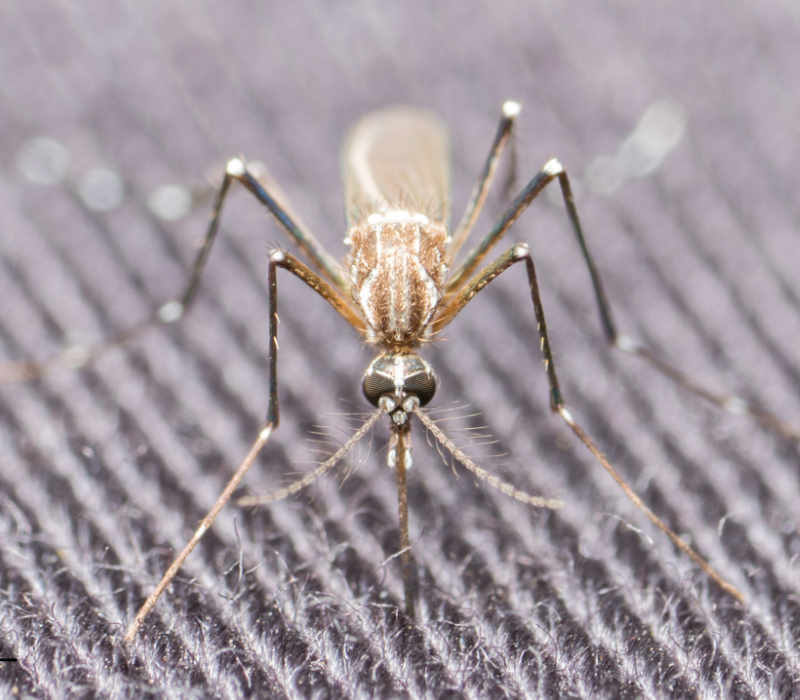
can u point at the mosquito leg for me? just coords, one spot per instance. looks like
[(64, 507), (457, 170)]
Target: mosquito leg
[(281, 258), (320, 258), (543, 178), (729, 402), (224, 497), (521, 253), (510, 111), (173, 310), (206, 523), (277, 259), (553, 170)]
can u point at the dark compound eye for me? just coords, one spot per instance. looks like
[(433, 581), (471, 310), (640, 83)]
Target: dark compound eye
[(376, 385), (422, 385)]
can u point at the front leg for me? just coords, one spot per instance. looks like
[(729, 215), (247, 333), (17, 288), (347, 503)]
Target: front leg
[(278, 258)]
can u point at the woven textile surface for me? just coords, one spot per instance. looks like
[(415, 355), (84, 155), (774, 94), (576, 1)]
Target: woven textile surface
[(679, 127)]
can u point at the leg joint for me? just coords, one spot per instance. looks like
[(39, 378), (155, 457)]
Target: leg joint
[(235, 167), (520, 251), (553, 167), (277, 255)]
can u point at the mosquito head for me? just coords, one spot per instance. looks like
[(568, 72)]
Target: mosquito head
[(397, 381)]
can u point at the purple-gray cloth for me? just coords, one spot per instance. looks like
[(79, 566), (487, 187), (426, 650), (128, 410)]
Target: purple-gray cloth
[(678, 125)]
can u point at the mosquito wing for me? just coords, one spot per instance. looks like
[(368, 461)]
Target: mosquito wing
[(397, 158)]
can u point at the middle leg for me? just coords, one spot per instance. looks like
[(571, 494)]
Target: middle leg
[(520, 253)]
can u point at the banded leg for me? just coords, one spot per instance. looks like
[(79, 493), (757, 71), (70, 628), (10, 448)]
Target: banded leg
[(278, 258), (520, 253), (509, 113), (173, 310), (553, 170)]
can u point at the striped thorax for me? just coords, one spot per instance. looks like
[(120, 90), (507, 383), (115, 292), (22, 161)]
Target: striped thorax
[(397, 273)]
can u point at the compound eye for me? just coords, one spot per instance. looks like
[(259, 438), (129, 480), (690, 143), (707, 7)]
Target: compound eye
[(422, 385), (376, 385)]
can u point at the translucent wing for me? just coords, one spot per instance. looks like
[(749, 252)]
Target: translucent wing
[(397, 158)]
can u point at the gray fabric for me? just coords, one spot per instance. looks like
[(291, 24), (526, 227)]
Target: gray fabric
[(104, 472)]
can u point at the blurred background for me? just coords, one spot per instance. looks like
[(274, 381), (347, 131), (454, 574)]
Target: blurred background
[(679, 127)]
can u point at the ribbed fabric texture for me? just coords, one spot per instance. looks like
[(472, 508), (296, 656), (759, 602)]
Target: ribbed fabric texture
[(104, 472)]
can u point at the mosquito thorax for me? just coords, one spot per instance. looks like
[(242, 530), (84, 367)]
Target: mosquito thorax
[(398, 383)]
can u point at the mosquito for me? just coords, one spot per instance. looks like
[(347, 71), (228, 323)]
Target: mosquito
[(398, 289)]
